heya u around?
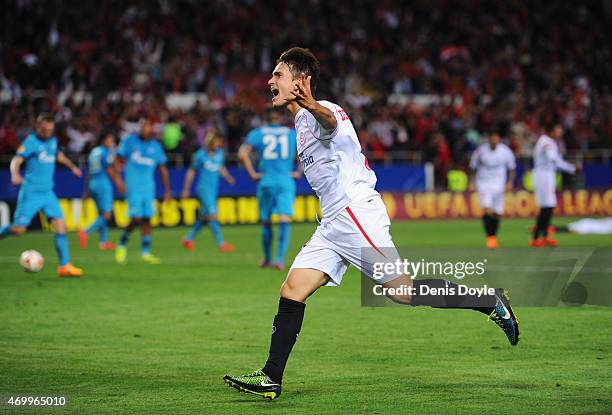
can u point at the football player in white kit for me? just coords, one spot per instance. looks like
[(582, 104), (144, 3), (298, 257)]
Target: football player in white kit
[(546, 161), (354, 218), (495, 168)]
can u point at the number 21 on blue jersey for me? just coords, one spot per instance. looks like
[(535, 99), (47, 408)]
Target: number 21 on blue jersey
[(275, 147)]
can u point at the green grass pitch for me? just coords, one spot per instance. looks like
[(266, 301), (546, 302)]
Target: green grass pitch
[(152, 339)]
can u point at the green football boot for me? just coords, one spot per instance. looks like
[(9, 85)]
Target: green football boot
[(257, 383)]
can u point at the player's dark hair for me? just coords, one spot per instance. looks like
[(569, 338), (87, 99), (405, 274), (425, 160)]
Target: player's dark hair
[(500, 129), (549, 123), (103, 135), (45, 117), (301, 61)]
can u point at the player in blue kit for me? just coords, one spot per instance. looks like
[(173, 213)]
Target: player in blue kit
[(142, 154), (275, 146), (98, 185), (39, 152), (209, 163)]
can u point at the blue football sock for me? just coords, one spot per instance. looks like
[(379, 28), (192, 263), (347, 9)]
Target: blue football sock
[(266, 241), (61, 246), (146, 244), (197, 226), (5, 231), (283, 241), (216, 230), (103, 231), (94, 226), (125, 237)]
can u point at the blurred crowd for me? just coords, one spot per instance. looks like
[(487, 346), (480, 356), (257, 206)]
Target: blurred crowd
[(421, 80)]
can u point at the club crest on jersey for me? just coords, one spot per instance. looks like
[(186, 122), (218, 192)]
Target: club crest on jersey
[(45, 157), (140, 159), (212, 166)]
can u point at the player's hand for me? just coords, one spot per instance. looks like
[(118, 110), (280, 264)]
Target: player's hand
[(167, 196), (185, 194), (297, 175), (509, 187), (121, 187), (231, 180), (16, 179), (85, 196), (578, 168), (256, 176), (302, 94), (76, 171), (472, 187)]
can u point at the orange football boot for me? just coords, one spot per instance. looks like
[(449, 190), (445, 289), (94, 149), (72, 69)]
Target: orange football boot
[(548, 241), (492, 242), (69, 270), (551, 229), (537, 243), (107, 246), (226, 247), (188, 244)]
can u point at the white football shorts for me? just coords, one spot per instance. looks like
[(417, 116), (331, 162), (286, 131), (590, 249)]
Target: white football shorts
[(544, 184), (358, 235), (491, 197)]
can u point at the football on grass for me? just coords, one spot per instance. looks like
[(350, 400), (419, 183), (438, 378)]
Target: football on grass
[(31, 260)]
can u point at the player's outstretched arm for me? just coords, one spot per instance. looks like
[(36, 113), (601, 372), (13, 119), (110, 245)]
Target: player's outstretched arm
[(227, 176), (472, 171), (299, 171), (15, 169), (113, 170), (303, 96), (86, 186), (510, 182), (62, 159), (561, 164), (163, 172), (187, 182), (244, 155), (471, 180), (115, 174), (565, 166)]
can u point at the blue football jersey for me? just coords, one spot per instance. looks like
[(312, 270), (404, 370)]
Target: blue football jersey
[(99, 159), (142, 158), (208, 166), (40, 156), (275, 146)]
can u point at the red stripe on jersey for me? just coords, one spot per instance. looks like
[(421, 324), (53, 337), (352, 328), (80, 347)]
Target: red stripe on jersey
[(365, 235)]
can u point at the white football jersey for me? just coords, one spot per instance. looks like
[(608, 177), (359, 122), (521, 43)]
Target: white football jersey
[(332, 160), (547, 157), (492, 165)]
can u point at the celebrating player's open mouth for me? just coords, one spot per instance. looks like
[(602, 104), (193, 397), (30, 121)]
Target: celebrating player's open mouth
[(274, 93), (354, 217)]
